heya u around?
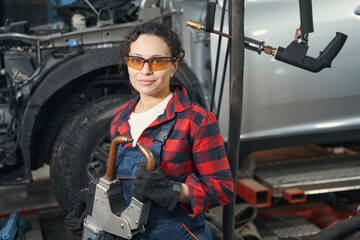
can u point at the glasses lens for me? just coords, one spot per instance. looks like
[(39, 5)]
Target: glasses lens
[(135, 62), (158, 64)]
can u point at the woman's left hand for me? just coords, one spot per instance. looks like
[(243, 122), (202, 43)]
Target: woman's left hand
[(155, 187)]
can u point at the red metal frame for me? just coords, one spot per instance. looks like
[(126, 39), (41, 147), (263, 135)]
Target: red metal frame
[(317, 212), (294, 195), (253, 192)]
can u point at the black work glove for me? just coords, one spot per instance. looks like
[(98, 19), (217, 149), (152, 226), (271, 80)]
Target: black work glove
[(155, 187), (74, 220)]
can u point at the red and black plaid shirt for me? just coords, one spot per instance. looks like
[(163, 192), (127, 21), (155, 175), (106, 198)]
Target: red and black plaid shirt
[(193, 154)]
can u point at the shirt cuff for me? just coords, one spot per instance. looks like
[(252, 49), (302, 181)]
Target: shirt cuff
[(197, 197)]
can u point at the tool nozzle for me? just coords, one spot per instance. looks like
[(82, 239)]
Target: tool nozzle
[(269, 50), (194, 24)]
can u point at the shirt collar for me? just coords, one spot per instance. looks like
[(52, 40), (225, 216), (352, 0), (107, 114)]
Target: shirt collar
[(178, 103)]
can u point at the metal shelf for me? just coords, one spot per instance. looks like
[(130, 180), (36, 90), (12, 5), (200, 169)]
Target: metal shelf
[(311, 175)]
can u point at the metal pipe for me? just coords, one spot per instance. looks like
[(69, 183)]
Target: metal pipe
[(112, 155), (236, 11), (92, 7), (149, 157), (250, 44)]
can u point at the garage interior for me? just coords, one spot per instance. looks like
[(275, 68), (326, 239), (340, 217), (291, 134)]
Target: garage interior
[(288, 192)]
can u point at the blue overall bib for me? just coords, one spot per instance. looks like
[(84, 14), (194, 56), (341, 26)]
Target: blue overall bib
[(161, 223)]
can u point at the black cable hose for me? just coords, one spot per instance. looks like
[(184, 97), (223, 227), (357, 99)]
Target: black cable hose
[(210, 16), (306, 17), (340, 230), (223, 81), (217, 57)]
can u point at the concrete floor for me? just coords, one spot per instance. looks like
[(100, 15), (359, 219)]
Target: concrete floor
[(36, 204), (52, 220)]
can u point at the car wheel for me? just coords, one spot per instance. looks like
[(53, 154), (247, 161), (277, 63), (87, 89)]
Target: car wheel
[(84, 138)]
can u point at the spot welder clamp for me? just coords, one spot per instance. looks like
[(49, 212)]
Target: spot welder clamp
[(107, 211)]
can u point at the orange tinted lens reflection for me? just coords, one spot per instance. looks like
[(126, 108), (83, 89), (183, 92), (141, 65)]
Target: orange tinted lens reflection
[(135, 63), (156, 64), (159, 64)]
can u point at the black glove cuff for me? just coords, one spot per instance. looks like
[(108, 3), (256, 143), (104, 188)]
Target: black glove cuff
[(176, 190)]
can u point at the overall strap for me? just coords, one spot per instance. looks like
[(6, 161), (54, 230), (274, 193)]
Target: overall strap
[(160, 139)]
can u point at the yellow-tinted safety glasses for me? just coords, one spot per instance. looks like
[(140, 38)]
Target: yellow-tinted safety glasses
[(156, 63)]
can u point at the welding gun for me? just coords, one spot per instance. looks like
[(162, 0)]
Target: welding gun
[(295, 53)]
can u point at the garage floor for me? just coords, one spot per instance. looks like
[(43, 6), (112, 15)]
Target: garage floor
[(36, 204)]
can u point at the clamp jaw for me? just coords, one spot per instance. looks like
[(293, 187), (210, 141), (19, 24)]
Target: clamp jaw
[(130, 222)]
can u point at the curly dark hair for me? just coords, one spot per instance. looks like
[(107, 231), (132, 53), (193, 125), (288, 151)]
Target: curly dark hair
[(157, 29)]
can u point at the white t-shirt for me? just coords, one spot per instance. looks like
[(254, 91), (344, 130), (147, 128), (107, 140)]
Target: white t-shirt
[(140, 121)]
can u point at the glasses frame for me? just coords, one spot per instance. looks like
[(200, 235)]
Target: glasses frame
[(170, 59)]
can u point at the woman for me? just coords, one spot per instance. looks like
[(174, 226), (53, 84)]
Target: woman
[(192, 173)]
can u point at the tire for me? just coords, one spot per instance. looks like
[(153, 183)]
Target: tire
[(84, 138)]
